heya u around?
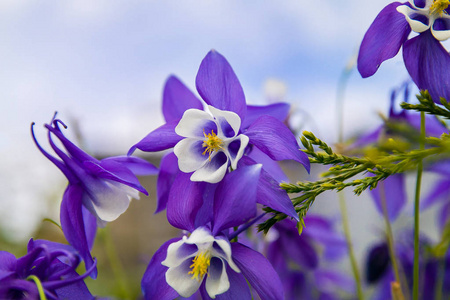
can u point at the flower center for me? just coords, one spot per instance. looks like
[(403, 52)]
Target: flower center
[(200, 265), (212, 143), (439, 6)]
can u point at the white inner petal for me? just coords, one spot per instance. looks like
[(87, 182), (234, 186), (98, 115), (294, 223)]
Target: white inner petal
[(189, 155), (181, 281), (209, 172), (217, 281), (173, 258), (416, 26), (244, 142), (230, 117), (226, 248), (192, 123)]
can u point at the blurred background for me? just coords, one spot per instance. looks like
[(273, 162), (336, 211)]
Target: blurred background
[(102, 65)]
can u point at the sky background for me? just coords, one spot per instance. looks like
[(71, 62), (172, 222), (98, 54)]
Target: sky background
[(102, 65)]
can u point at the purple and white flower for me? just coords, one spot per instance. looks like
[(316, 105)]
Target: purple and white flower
[(426, 60), (99, 191)]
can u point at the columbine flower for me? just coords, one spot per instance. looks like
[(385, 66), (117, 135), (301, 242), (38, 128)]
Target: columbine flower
[(206, 261), (211, 143), (48, 268), (98, 191), (425, 58), (230, 135)]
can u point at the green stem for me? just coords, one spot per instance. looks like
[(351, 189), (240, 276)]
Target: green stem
[(39, 286), (116, 265), (390, 238), (416, 211), (351, 253)]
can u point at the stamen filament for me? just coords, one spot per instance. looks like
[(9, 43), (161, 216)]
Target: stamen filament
[(212, 143), (200, 265)]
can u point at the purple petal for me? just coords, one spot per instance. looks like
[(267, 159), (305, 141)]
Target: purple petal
[(75, 291), (269, 192), (73, 226), (276, 140), (298, 248), (185, 199), (432, 126), (7, 264), (162, 138), (330, 281), (218, 85), (177, 98), (154, 285), (440, 191), (238, 287), (444, 216), (137, 165), (258, 271), (428, 63), (112, 170), (279, 111), (235, 198), (90, 226), (382, 40), (167, 174), (369, 138), (271, 166), (394, 195)]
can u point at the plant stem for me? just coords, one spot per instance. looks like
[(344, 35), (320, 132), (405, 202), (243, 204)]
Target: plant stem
[(390, 240), (416, 211), (351, 253)]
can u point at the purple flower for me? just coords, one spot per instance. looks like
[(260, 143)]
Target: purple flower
[(47, 265), (98, 191), (208, 144), (206, 260), (296, 258), (425, 58)]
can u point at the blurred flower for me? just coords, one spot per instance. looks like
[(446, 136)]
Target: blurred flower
[(98, 191), (48, 268), (231, 135), (380, 273), (206, 261), (425, 58)]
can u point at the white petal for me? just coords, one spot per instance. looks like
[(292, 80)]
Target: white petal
[(224, 120), (174, 256), (106, 200), (415, 25), (243, 144), (226, 248), (200, 235), (217, 281), (181, 281), (213, 171), (441, 35), (193, 122), (189, 153)]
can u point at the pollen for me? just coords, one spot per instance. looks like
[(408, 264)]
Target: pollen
[(212, 143), (200, 265), (438, 7)]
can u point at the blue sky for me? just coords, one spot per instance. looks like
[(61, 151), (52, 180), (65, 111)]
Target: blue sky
[(103, 64)]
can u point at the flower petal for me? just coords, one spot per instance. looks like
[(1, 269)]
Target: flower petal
[(7, 264), (382, 40), (185, 199), (190, 154), (279, 111), (428, 63), (177, 98), (394, 195), (229, 122), (238, 287), (162, 138), (154, 285), (235, 198), (269, 192), (195, 123), (276, 140), (217, 279), (218, 85), (167, 174), (441, 28), (73, 226), (136, 165), (213, 171), (440, 191), (236, 148), (258, 271), (181, 281)]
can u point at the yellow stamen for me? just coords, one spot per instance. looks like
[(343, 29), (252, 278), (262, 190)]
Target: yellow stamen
[(200, 265), (439, 6), (212, 143)]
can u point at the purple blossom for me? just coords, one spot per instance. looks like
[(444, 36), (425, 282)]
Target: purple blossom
[(206, 261), (425, 58), (51, 265), (98, 190), (209, 143)]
